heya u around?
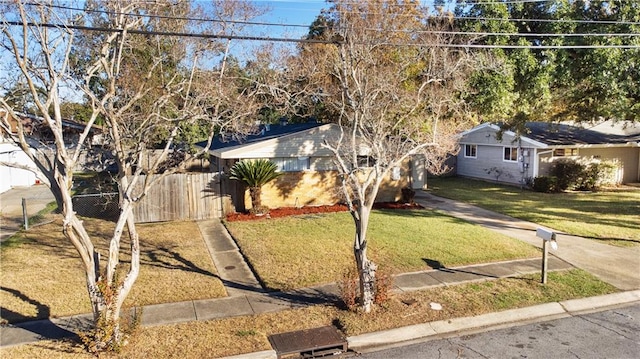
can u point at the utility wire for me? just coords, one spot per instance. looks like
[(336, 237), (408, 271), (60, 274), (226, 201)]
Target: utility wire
[(277, 39), (243, 22), (166, 33)]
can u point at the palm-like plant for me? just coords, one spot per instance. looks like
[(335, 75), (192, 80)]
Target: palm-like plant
[(255, 174)]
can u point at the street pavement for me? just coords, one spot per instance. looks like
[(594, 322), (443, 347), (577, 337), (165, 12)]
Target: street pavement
[(247, 297), (37, 197), (612, 333)]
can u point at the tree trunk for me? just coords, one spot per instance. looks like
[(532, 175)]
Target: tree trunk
[(255, 194), (366, 268)]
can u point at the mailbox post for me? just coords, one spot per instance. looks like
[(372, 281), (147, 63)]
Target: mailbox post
[(548, 237)]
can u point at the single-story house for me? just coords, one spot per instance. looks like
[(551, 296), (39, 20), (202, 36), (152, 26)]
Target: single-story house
[(310, 176), (513, 159), (17, 169)]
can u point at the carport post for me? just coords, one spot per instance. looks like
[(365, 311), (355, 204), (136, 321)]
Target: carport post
[(25, 218)]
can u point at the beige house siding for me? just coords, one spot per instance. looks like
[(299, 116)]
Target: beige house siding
[(316, 188), (628, 159)]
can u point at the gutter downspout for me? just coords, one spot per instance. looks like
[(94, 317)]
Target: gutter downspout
[(536, 164)]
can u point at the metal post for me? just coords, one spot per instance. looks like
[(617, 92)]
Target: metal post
[(545, 253), (25, 218)]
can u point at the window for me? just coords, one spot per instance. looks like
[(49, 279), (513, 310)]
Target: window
[(561, 152), (510, 154), (292, 164), (366, 161), (471, 151)]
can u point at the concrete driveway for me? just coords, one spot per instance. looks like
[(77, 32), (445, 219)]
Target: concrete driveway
[(37, 198)]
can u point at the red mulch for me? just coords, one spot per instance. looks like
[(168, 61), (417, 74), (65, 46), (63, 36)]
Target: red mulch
[(294, 211)]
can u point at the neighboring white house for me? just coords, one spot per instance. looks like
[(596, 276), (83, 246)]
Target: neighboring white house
[(25, 174), (17, 169), (310, 176), (513, 159)]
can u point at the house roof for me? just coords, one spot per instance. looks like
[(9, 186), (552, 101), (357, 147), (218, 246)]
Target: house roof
[(26, 119), (545, 135), (568, 135), (266, 133)]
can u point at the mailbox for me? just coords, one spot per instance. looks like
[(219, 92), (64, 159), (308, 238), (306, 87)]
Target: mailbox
[(546, 234), (548, 237)]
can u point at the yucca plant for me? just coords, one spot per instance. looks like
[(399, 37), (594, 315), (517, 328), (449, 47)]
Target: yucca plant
[(255, 174)]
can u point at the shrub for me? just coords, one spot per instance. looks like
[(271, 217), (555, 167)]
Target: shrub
[(568, 173), (349, 287), (383, 285), (544, 184), (598, 174), (408, 195)]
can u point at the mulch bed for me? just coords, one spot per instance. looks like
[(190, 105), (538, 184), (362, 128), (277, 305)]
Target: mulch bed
[(295, 211)]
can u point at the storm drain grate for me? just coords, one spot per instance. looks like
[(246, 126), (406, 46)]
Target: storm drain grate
[(309, 343)]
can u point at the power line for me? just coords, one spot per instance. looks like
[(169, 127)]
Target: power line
[(276, 39), (244, 22), (167, 33), (167, 17)]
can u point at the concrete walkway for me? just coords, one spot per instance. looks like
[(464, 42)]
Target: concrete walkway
[(617, 266), (247, 297)]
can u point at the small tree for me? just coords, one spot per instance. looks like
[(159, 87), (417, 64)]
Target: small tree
[(396, 90), (146, 88), (255, 174)]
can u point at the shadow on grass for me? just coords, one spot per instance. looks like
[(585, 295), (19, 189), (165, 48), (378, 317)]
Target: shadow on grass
[(43, 311), (167, 258)]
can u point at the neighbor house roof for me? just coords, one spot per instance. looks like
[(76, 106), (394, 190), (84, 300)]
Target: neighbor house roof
[(266, 135), (569, 135), (550, 135)]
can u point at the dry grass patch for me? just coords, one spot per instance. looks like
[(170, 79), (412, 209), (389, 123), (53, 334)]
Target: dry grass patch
[(42, 275), (308, 250), (248, 334)]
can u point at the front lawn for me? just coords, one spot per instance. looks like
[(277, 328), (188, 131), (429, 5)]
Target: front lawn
[(42, 274), (308, 250), (612, 216)]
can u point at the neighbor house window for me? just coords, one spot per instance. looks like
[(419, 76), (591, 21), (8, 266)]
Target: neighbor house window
[(561, 152), (510, 154), (292, 164), (471, 151), (366, 161)]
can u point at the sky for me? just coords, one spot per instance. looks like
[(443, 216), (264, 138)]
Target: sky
[(290, 12)]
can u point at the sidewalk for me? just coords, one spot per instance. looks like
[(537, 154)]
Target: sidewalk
[(247, 297)]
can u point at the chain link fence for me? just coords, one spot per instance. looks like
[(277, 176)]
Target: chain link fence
[(36, 213), (98, 205)]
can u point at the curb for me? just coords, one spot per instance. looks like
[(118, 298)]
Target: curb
[(548, 311), (511, 317)]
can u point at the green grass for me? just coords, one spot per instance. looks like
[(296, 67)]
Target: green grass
[(304, 251), (613, 216)]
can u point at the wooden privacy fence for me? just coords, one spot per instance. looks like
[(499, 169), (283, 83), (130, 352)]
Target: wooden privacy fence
[(181, 196)]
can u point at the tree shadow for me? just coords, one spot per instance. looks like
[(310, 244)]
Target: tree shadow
[(167, 258), (434, 264), (43, 310), (40, 324)]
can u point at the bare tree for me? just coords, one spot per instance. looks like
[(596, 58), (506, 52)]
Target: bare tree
[(396, 92), (144, 87)]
